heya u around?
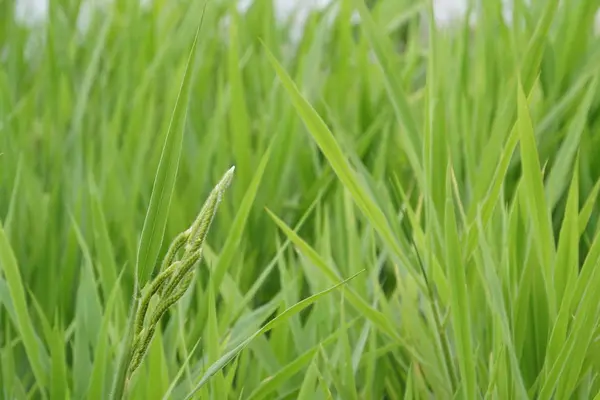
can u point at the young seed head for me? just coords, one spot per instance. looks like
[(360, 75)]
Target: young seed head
[(183, 268), (176, 276), (175, 246), (172, 298), (202, 223), (155, 287), (145, 338)]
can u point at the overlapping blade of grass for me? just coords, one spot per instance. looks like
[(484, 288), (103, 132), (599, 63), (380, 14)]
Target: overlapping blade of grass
[(273, 383), (309, 75), (55, 341), (562, 341), (293, 310), (378, 318), (107, 267), (166, 174), (13, 197), (557, 180), (563, 372), (124, 355), (88, 319), (533, 186), (238, 114), (307, 390), (587, 209), (576, 25), (459, 299), (155, 381), (231, 375), (258, 283), (411, 138), (559, 109), (213, 346), (91, 75), (99, 379), (567, 256), (180, 372), (235, 233), (360, 349), (535, 46), (328, 145), (437, 138), (7, 301), (436, 149), (236, 334), (532, 315), (416, 329), (36, 354), (289, 280), (492, 286), (10, 383), (252, 321), (521, 272), (504, 118)]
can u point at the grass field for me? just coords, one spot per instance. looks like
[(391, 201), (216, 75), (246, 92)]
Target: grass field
[(413, 212)]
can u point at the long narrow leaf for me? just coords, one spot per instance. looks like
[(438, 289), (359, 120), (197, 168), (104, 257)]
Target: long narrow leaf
[(288, 313), (35, 353), (166, 174)]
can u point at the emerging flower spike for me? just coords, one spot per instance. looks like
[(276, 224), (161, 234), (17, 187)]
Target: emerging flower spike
[(200, 227), (176, 275)]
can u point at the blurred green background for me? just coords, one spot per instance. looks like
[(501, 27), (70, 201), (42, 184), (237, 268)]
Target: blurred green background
[(424, 117)]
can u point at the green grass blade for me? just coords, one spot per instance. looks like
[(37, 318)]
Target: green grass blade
[(35, 353), (459, 299), (588, 208), (564, 372), (535, 47), (272, 383), (166, 175), (379, 320), (107, 267), (55, 340), (238, 120), (536, 199), (307, 390), (285, 315), (212, 344), (567, 256), (7, 301), (558, 178), (384, 50), (492, 287), (347, 175), (124, 355), (180, 372), (99, 377), (239, 223)]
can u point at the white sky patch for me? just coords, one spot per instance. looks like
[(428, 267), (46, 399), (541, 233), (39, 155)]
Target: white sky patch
[(31, 12), (449, 10), (35, 12)]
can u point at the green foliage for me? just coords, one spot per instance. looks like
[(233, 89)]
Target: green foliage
[(414, 211)]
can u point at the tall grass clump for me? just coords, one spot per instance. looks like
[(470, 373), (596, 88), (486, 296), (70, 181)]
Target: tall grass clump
[(414, 212)]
